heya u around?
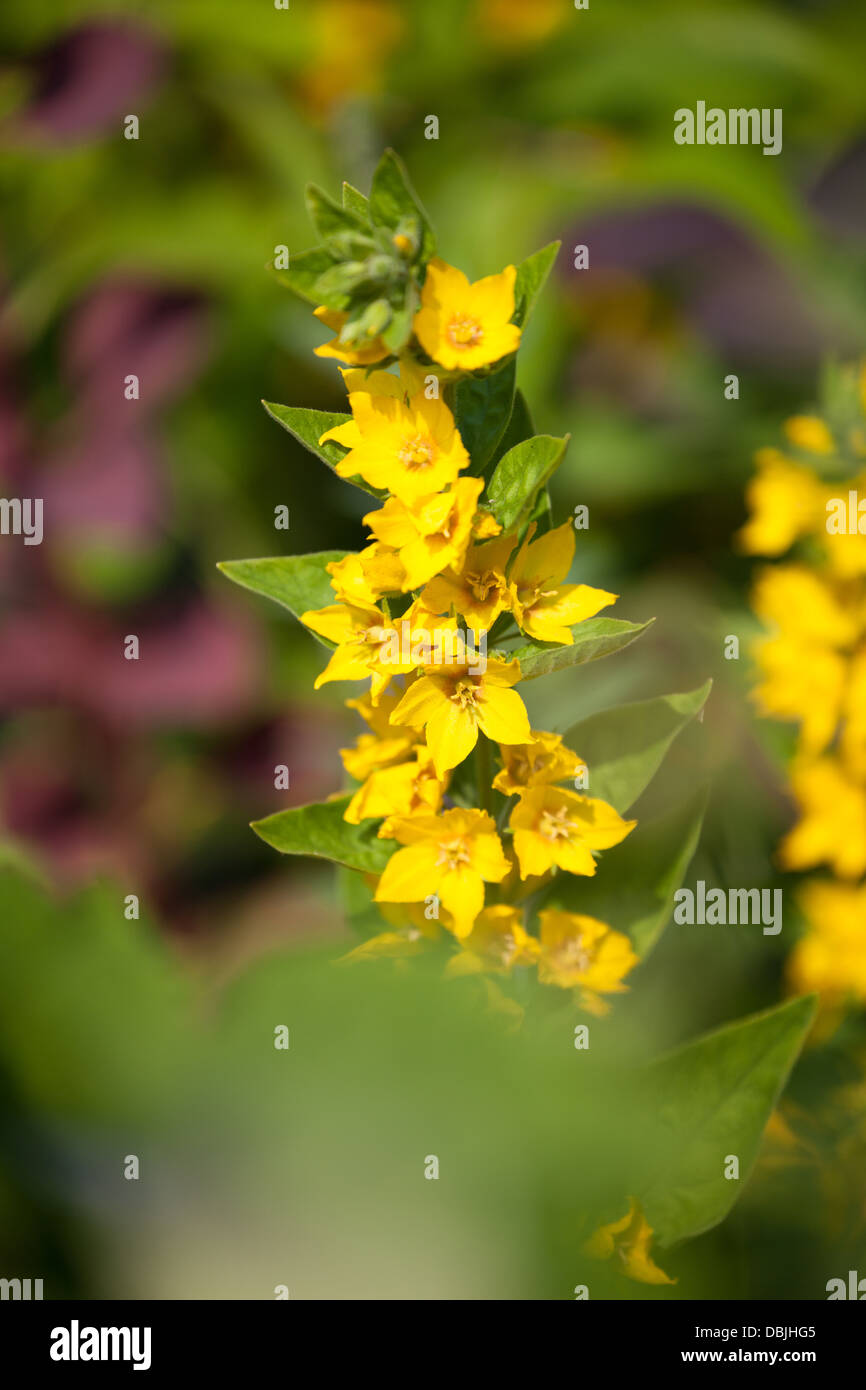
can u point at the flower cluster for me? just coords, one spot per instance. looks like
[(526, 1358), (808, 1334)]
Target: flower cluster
[(411, 615), (805, 506)]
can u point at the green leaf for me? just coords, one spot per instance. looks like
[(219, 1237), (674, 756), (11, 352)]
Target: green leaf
[(713, 1098), (308, 426), (483, 406), (320, 832), (354, 201), (593, 639), (531, 277), (297, 582), (519, 427), (304, 270), (634, 885), (519, 474), (392, 198), (329, 217), (623, 748)]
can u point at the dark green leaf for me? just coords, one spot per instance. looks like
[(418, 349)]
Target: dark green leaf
[(518, 476), (482, 411), (623, 748), (519, 427), (320, 831)]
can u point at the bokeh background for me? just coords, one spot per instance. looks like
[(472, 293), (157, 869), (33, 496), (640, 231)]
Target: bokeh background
[(149, 257)]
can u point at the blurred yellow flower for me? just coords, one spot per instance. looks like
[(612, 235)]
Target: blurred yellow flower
[(831, 957), (557, 828), (450, 857), (810, 433), (786, 502), (832, 825), (579, 952), (628, 1242), (464, 326), (498, 942)]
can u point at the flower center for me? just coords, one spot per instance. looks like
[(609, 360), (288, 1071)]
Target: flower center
[(570, 955), (465, 694), (452, 853), (481, 584), (555, 825), (416, 452), (464, 331)]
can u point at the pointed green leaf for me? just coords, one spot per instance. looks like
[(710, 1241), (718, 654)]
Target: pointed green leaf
[(713, 1098), (392, 198), (329, 217), (297, 582), (519, 475), (308, 426), (593, 639), (354, 201), (623, 748), (531, 277), (634, 885), (319, 831)]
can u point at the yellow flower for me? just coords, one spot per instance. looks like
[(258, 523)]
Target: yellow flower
[(832, 827), (498, 942), (786, 502), (383, 747), (454, 702), (367, 645), (478, 589), (450, 857), (581, 952), (831, 957), (803, 670), (431, 534), (553, 827), (545, 759), (809, 432), (852, 742), (410, 449), (364, 577), (375, 350), (628, 1241), (463, 326), (402, 790), (544, 607)]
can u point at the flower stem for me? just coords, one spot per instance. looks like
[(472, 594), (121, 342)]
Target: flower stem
[(483, 776)]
